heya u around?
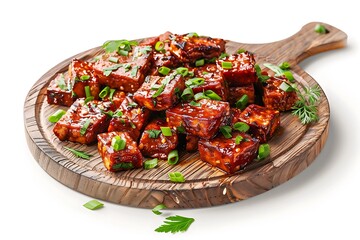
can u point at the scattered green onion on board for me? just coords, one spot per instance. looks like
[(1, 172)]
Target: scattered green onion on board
[(176, 177), (173, 157), (55, 117), (151, 163)]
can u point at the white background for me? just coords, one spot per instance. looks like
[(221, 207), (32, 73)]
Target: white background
[(322, 202)]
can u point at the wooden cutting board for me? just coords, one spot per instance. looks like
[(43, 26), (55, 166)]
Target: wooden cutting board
[(293, 148)]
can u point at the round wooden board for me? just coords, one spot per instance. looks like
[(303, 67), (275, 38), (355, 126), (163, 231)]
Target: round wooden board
[(293, 148)]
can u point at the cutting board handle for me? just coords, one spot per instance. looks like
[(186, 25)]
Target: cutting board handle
[(306, 43)]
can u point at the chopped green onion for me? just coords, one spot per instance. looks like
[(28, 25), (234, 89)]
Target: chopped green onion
[(108, 113), (286, 87), (289, 76), (113, 59), (211, 60), (238, 139), (93, 205), (223, 55), (242, 102), (118, 143), (212, 95), (85, 77), (87, 91), (259, 74), (158, 91), (241, 50), (56, 116), (88, 99), (200, 63), (285, 66), (159, 46), (264, 151), (173, 157), (187, 94), (156, 210), (200, 95), (111, 95), (85, 126), (78, 153), (104, 92), (183, 71), (195, 81), (191, 74), (151, 163), (132, 104), (123, 165), (195, 104), (153, 133), (166, 131), (226, 131), (226, 65), (176, 177), (123, 52), (180, 129), (134, 71), (193, 34), (164, 70), (319, 28), (127, 67), (241, 126), (118, 113)]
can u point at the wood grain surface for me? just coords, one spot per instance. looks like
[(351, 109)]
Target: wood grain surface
[(293, 148)]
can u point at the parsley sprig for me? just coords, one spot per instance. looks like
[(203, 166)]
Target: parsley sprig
[(175, 224)]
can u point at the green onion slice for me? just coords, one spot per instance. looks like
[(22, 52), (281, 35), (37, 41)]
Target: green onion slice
[(195, 82), (286, 87), (173, 157), (241, 127), (181, 129), (123, 165), (85, 126), (104, 92), (85, 77), (285, 66), (151, 163), (93, 205), (238, 139), (195, 104), (183, 71), (212, 95), (113, 59), (166, 131), (158, 91), (55, 117), (241, 50), (134, 71), (187, 94), (111, 95), (223, 55), (226, 65), (118, 143), (242, 102), (159, 46), (226, 131), (156, 210), (176, 177), (87, 91), (319, 28), (264, 151), (289, 76), (200, 63), (164, 70), (153, 133)]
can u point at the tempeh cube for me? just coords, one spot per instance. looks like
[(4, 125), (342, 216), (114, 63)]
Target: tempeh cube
[(154, 144), (129, 117), (263, 122), (189, 48), (225, 154), (83, 121), (235, 93), (203, 121), (213, 80), (116, 160), (275, 97), (238, 69), (59, 91), (82, 74), (128, 73), (160, 93)]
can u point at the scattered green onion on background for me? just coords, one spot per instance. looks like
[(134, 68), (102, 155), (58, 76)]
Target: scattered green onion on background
[(93, 204)]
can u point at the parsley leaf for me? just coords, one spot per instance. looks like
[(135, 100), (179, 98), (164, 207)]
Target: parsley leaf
[(78, 153), (175, 224)]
